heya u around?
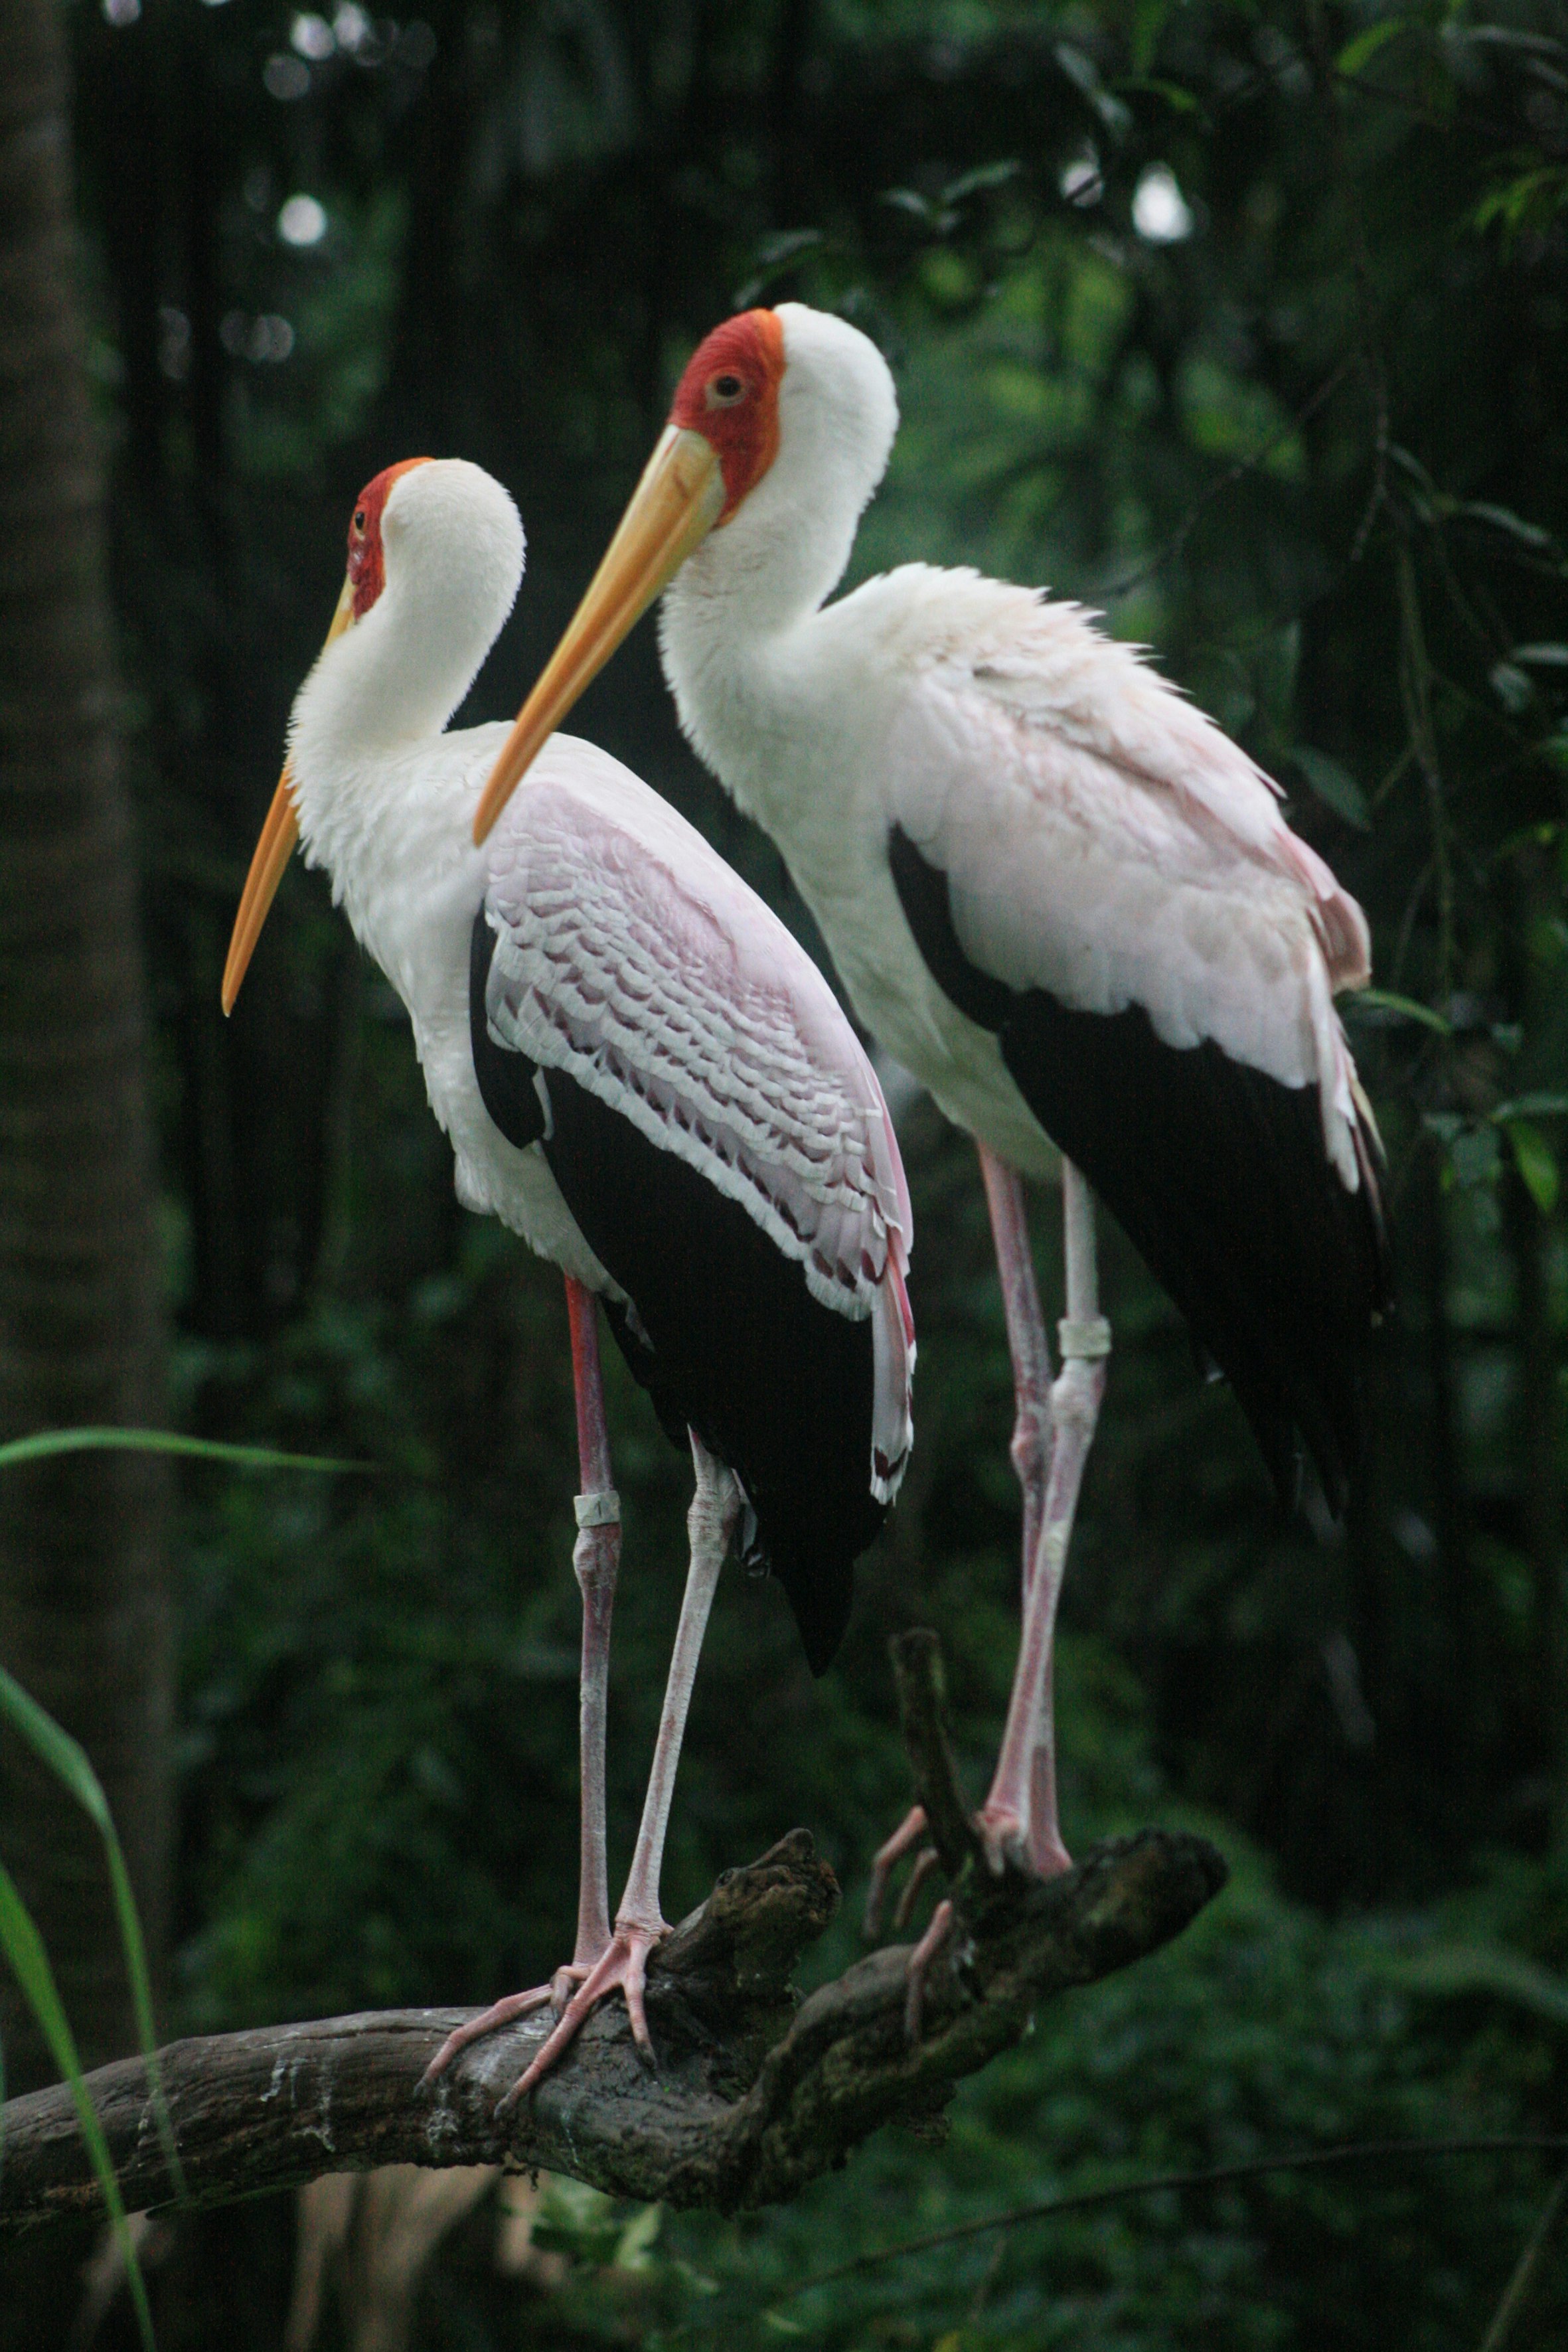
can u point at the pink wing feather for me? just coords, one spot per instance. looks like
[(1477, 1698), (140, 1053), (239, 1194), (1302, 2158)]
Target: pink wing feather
[(631, 956), (1124, 850)]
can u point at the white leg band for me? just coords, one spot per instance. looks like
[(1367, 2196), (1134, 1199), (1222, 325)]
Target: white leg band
[(1091, 1338), (600, 1509)]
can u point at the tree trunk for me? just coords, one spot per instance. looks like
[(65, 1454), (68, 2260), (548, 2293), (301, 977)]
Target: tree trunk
[(85, 1619)]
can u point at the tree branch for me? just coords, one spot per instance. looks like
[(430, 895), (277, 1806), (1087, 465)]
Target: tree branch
[(755, 2093)]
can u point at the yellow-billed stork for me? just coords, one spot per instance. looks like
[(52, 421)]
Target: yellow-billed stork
[(643, 1075), (1053, 890)]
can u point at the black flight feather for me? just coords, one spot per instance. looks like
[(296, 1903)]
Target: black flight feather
[(1218, 1175), (726, 1336)]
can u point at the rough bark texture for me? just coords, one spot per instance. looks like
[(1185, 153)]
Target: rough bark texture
[(84, 1612), (753, 2096)]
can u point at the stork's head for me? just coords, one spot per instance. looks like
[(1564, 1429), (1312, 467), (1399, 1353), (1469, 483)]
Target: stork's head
[(434, 556), (779, 433)]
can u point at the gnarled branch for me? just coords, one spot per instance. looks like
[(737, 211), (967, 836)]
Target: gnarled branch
[(754, 2094)]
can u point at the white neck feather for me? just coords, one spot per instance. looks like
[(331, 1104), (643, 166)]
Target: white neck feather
[(373, 806), (729, 612)]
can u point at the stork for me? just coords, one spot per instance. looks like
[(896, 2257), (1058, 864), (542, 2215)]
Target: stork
[(644, 1076), (1053, 890)]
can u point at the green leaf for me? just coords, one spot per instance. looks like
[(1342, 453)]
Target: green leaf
[(1474, 1156), (1081, 70), (1536, 1162), (1179, 100), (775, 254), (1532, 1106), (24, 1948), (1529, 836), (1531, 199), (46, 1443), (1334, 785), (1381, 1000), (771, 251), (1488, 1967), (1366, 45), (1149, 20), (1529, 534), (634, 2248), (986, 176), (1511, 686), (572, 2218), (72, 1767)]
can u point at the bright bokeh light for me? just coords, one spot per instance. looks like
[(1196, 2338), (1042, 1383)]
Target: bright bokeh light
[(1080, 180), (1159, 211), (285, 77), (311, 37), (302, 221)]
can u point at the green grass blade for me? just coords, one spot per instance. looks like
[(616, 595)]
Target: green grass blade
[(24, 1948), (44, 1443), (1383, 1000), (71, 1764)]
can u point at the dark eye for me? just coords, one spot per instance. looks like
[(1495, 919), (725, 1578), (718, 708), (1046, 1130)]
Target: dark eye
[(359, 518), (724, 390)]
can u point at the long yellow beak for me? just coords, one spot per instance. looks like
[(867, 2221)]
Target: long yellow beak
[(273, 851), (674, 507)]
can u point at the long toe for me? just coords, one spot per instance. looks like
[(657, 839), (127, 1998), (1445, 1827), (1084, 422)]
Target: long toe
[(515, 2005), (1005, 1837), (921, 1959), (885, 1861), (926, 1861), (625, 1963)]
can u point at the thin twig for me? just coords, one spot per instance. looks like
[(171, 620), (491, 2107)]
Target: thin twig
[(1370, 347), (1232, 475), (1407, 925), (1526, 2270), (1217, 2176), (1415, 688)]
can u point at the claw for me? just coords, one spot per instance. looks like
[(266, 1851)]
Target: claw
[(623, 1963)]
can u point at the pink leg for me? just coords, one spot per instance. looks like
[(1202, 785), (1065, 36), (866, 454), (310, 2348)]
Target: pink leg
[(1018, 1818), (596, 1558), (1031, 1445), (639, 1922), (1027, 1343)]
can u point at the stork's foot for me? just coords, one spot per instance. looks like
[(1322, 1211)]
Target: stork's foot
[(557, 1993), (1002, 1839), (1006, 1837), (624, 1962)]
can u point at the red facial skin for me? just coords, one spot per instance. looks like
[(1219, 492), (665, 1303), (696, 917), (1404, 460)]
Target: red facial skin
[(730, 394), (367, 558)]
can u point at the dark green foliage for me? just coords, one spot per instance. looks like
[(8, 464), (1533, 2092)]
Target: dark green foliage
[(1316, 451)]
